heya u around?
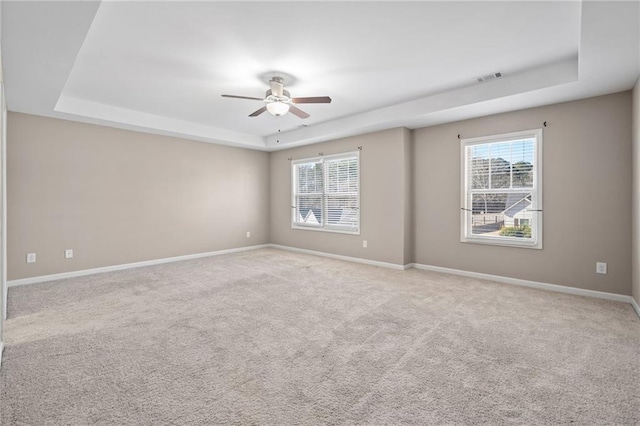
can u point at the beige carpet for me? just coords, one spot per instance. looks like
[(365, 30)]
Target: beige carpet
[(272, 337)]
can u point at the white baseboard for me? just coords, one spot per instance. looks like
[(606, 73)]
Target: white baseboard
[(635, 305), (341, 257), (489, 277), (526, 283), (83, 272)]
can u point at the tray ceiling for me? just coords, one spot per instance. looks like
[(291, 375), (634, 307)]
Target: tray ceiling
[(162, 66)]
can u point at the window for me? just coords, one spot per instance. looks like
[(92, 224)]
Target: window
[(326, 193), (502, 189)]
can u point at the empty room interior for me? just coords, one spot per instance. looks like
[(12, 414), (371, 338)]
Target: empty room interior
[(319, 212)]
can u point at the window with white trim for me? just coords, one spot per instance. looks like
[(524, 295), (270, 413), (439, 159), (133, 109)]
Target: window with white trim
[(326, 193), (502, 189)]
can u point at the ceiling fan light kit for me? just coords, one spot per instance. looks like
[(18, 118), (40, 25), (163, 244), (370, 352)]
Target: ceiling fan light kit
[(278, 108), (279, 101)]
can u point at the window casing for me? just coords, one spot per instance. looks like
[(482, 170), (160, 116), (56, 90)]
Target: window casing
[(501, 192), (325, 193)]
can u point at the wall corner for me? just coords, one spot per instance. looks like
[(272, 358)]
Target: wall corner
[(635, 194)]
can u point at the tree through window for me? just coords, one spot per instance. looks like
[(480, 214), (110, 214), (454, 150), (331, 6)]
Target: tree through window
[(502, 189)]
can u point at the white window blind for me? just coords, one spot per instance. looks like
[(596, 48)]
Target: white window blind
[(502, 189), (308, 193), (326, 193)]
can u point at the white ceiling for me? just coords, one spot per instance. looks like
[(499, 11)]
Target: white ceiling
[(162, 66)]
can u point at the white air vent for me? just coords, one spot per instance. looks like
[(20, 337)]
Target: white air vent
[(489, 77)]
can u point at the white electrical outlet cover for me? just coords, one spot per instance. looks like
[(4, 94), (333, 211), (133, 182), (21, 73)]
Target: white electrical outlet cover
[(31, 258), (68, 254)]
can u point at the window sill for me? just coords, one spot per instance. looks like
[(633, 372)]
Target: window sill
[(503, 242), (318, 229)]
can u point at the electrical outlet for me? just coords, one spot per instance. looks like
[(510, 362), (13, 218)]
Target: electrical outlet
[(31, 258), (364, 243), (248, 234), (601, 268), (68, 253)]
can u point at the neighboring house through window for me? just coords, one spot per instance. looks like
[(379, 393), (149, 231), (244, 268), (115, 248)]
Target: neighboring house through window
[(502, 189), (326, 193)]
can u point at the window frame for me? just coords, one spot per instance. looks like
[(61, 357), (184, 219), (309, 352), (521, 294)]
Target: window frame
[(324, 226), (537, 194)]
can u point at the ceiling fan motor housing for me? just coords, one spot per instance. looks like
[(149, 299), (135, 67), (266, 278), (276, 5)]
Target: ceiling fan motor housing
[(270, 97)]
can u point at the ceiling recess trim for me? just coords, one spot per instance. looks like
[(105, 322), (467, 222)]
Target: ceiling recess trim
[(541, 77), (136, 120)]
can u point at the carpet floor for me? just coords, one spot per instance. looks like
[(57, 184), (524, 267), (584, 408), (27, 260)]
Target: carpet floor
[(279, 338)]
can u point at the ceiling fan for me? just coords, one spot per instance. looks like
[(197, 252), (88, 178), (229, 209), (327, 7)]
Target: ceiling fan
[(279, 101)]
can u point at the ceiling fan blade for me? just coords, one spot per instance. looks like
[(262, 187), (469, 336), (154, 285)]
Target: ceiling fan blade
[(242, 97), (258, 112), (276, 87), (298, 112), (312, 100)]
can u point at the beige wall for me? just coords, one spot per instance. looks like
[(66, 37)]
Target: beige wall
[(587, 188), (635, 252), (116, 196), (383, 198)]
